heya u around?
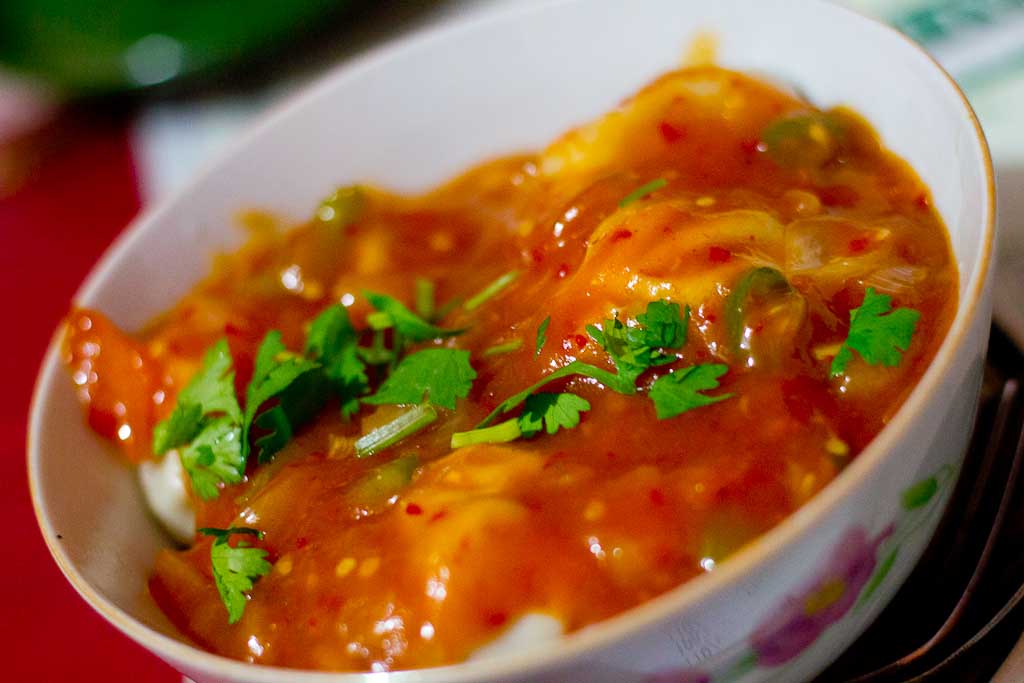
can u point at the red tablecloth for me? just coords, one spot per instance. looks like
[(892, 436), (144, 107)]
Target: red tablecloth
[(78, 193)]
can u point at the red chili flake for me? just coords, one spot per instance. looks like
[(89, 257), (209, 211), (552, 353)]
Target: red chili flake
[(657, 497), (537, 255), (563, 270), (413, 509), (709, 316), (671, 133), (858, 245), (621, 235), (611, 455), (922, 201), (496, 618), (440, 514), (581, 341), (839, 195), (718, 254), (301, 542)]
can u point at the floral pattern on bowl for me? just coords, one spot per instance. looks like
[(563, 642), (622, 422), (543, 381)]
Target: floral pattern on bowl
[(850, 575)]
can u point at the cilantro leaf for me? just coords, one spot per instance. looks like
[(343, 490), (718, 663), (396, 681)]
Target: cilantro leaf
[(630, 359), (214, 386), (551, 412), (214, 457), (662, 325), (542, 335), (235, 568), (347, 373), (440, 375), (679, 391), (180, 427), (877, 332), (275, 370), (330, 332), (405, 322), (277, 432), (333, 341), (634, 349), (210, 391)]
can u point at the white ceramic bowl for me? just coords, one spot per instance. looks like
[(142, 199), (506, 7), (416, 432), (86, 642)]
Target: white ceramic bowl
[(413, 114)]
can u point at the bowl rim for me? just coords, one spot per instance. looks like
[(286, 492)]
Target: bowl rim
[(576, 645)]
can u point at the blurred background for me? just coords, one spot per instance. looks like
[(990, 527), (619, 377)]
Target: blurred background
[(107, 105)]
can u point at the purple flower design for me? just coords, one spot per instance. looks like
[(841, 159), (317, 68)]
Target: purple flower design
[(679, 676), (802, 617)]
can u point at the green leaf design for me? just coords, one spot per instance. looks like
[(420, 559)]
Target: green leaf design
[(881, 571), (919, 494)]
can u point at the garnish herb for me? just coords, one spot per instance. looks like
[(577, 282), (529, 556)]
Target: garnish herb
[(447, 307), (379, 484), (425, 299), (877, 332), (403, 426), (207, 423), (677, 392), (275, 371), (633, 349), (235, 568), (491, 290), (545, 411), (507, 347), (438, 375), (411, 326), (333, 342), (642, 191), (542, 336)]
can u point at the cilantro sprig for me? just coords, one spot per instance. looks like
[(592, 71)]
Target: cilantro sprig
[(633, 349), (235, 568), (288, 389), (877, 333), (544, 411), (206, 424)]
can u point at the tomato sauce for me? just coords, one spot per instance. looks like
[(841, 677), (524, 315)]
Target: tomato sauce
[(591, 521)]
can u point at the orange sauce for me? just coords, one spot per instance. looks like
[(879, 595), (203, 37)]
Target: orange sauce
[(591, 521)]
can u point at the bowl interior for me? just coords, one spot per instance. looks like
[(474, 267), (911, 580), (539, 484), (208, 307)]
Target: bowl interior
[(409, 116)]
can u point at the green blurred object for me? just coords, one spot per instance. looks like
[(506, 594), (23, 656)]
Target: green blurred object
[(88, 47)]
